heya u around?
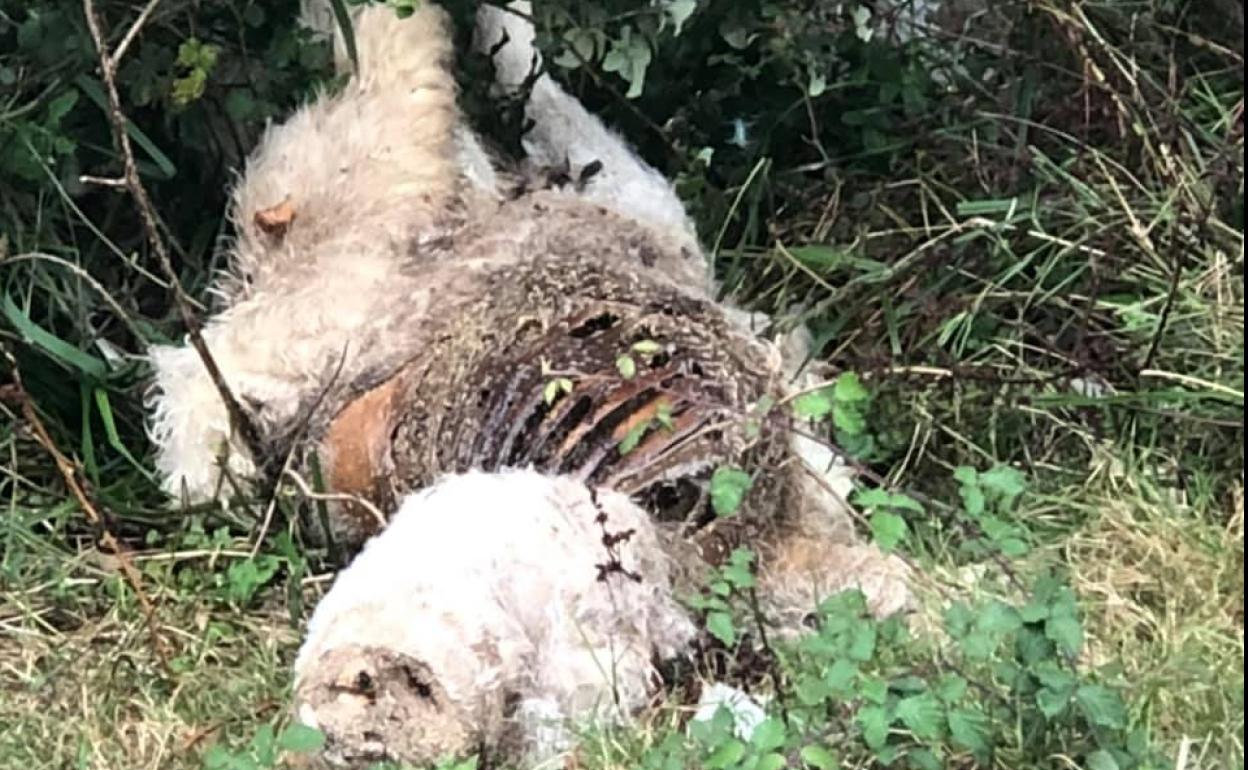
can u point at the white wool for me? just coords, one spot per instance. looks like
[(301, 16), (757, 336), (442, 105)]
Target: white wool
[(746, 712), (492, 581), (364, 172)]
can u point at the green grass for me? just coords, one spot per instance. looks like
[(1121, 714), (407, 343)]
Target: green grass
[(1036, 261)]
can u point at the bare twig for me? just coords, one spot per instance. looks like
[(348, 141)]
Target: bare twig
[(240, 422), (306, 490), (69, 473), (133, 32)]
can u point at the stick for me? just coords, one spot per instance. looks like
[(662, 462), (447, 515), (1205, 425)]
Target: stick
[(240, 422)]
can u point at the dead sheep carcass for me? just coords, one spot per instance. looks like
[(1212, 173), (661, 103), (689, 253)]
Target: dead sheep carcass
[(393, 308), (489, 614)]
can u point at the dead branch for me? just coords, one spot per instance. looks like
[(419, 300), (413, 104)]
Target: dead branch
[(240, 422)]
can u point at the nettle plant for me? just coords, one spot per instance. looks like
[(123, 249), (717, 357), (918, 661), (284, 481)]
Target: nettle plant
[(1002, 685)]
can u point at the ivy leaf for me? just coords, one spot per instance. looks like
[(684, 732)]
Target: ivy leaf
[(1101, 706), (728, 488), (887, 530), (922, 715), (969, 729), (874, 723), (720, 625), (300, 739)]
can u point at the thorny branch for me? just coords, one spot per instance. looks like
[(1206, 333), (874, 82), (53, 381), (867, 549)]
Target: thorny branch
[(240, 423)]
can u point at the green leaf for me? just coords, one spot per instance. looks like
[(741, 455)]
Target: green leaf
[(769, 735), (811, 690), (634, 436), (847, 418), (813, 406), (964, 474), (54, 346), (728, 488), (819, 758), (950, 688), (880, 498), (998, 618), (105, 409), (972, 500), (1066, 632), (647, 347), (727, 755), (887, 530), (1051, 703), (629, 57), (978, 645), (970, 729), (1004, 481), (922, 715), (1051, 675), (217, 758), (720, 625), (626, 366), (874, 689), (1101, 760), (840, 677), (862, 641), (772, 761), (849, 389), (1101, 706), (925, 759), (679, 12), (874, 722), (958, 619), (300, 739)]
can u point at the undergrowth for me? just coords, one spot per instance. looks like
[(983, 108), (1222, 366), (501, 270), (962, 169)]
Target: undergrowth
[(1016, 230)]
